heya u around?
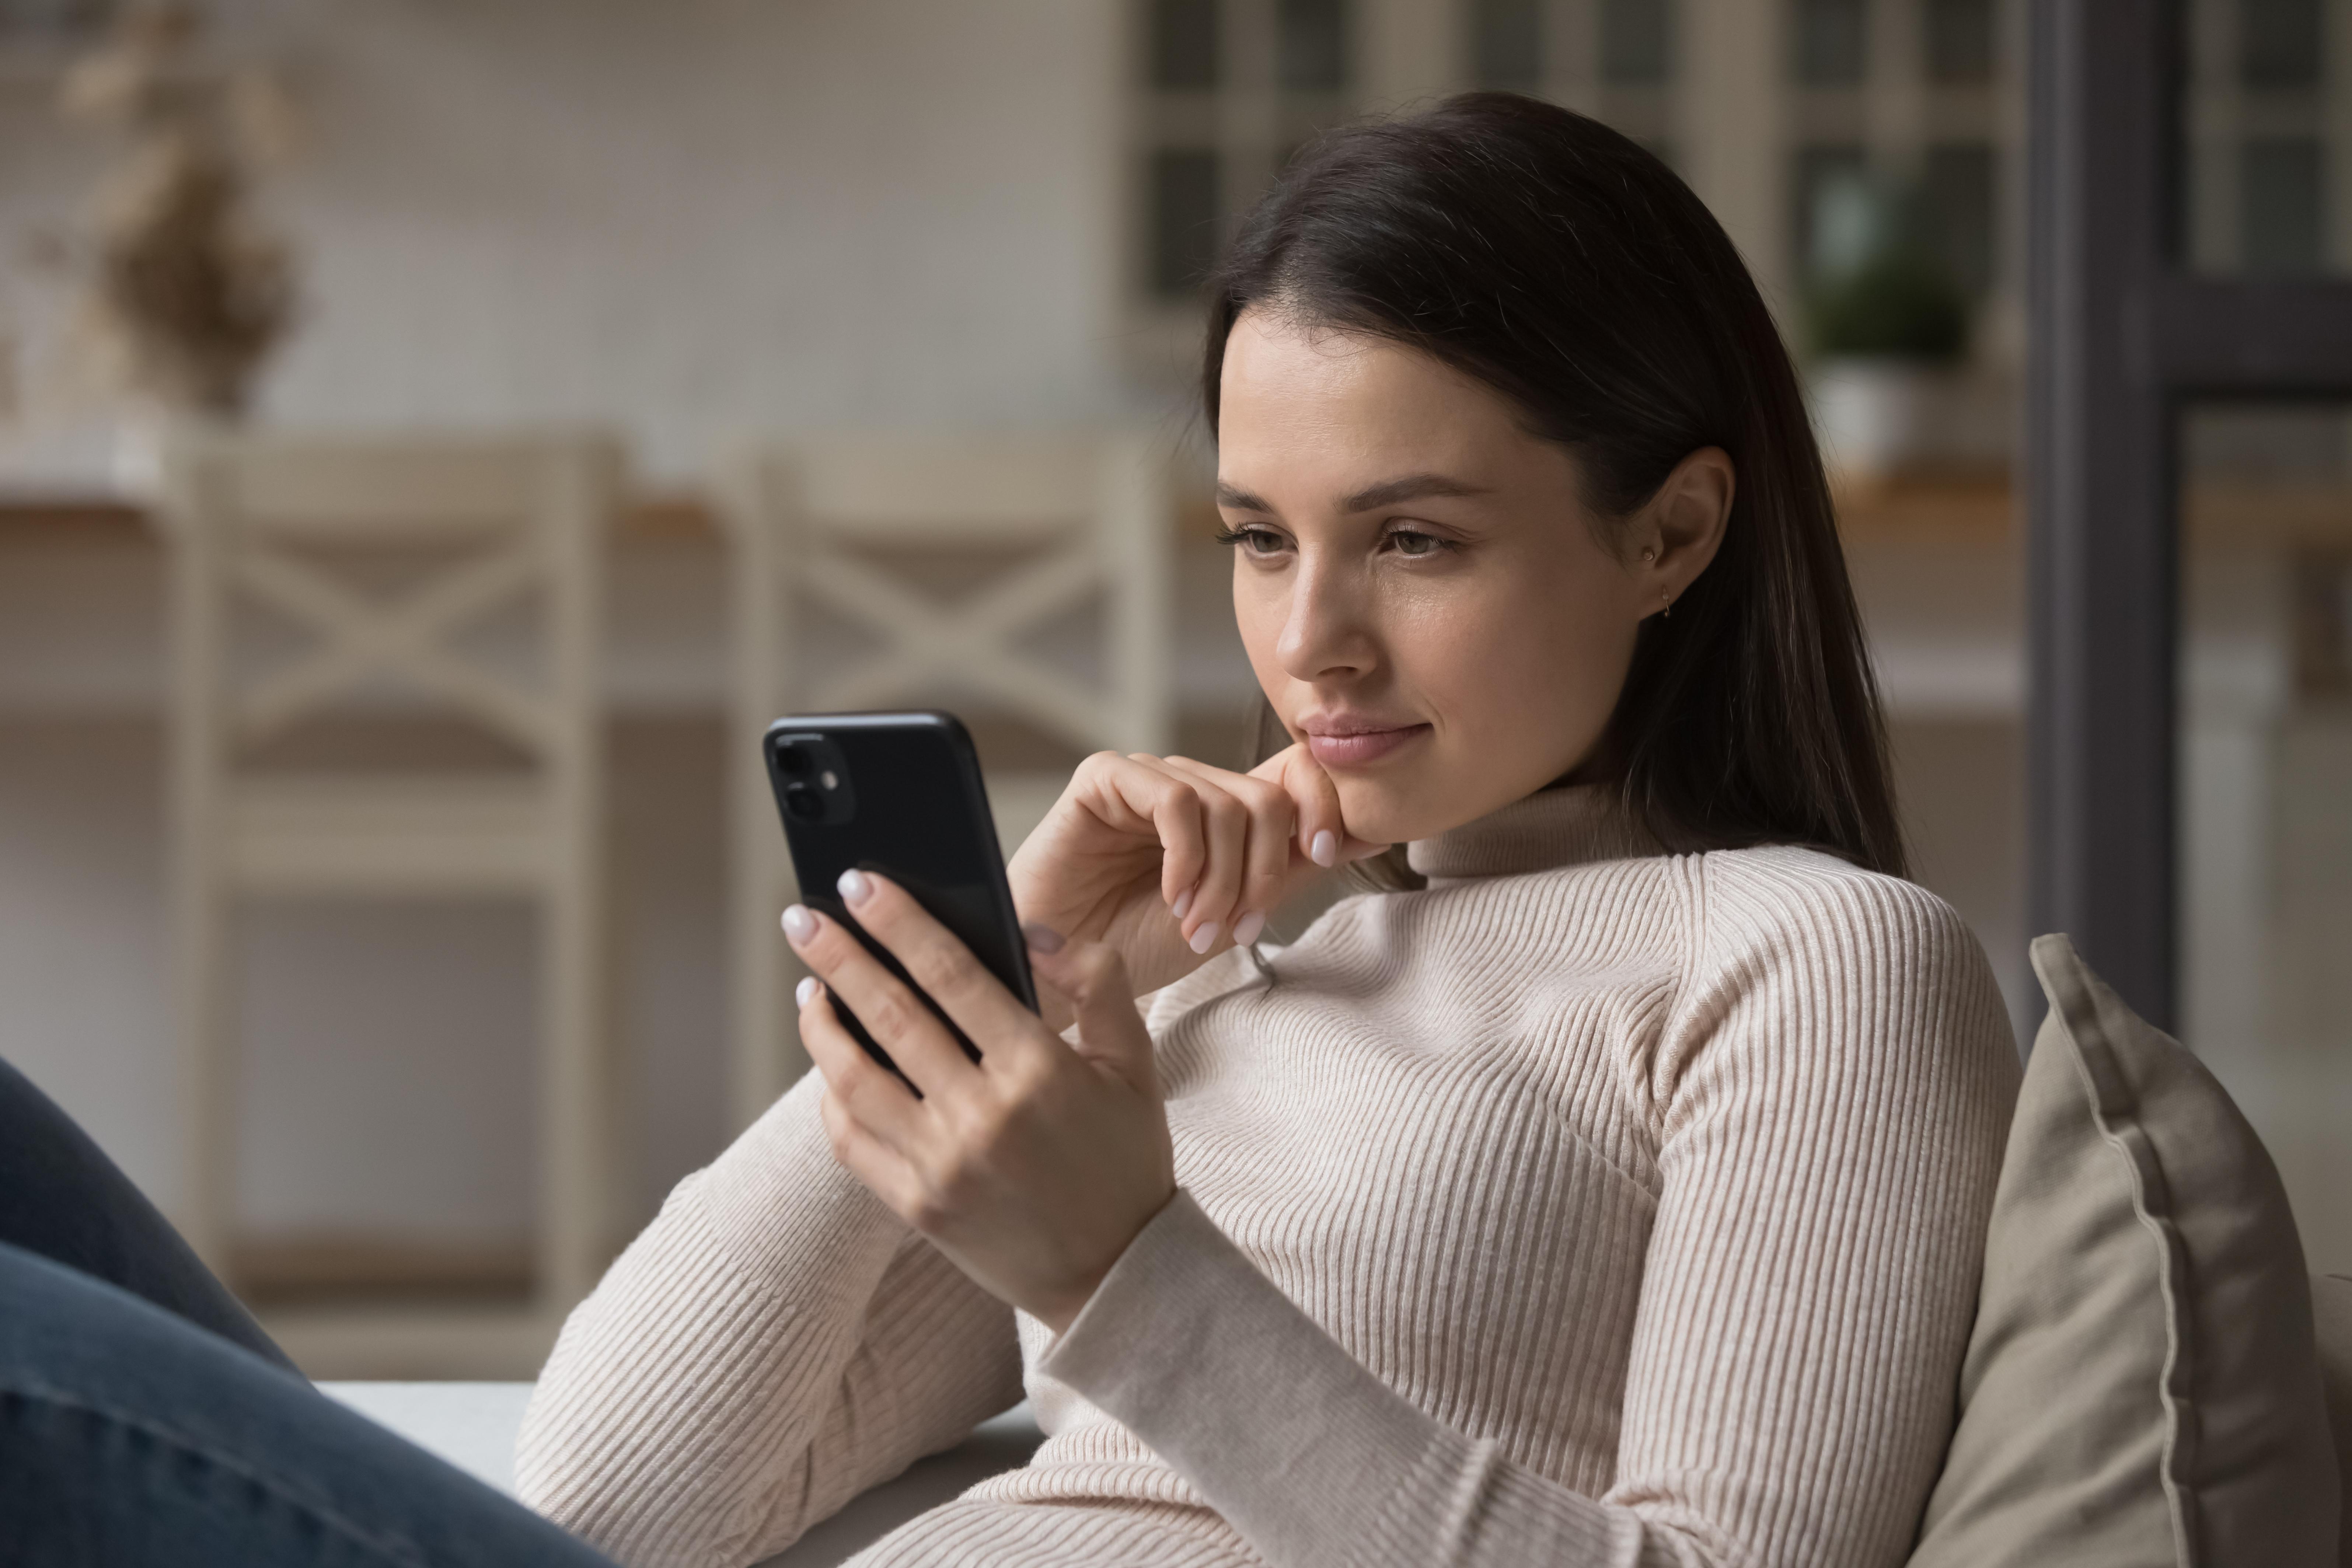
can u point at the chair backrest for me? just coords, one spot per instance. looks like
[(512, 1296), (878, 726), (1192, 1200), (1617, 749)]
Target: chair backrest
[(382, 555), (855, 535), (844, 526)]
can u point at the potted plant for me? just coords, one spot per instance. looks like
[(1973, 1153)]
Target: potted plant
[(1889, 329), (183, 293)]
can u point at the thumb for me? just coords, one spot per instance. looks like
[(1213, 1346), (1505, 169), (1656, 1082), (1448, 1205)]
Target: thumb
[(1323, 836), (1093, 978)]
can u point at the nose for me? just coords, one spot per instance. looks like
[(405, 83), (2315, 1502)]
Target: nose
[(1328, 630)]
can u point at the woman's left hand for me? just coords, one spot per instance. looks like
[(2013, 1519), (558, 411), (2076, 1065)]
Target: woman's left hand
[(1032, 1168)]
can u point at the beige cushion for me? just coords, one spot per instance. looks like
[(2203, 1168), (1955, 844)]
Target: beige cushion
[(2331, 1311), (2141, 1385)]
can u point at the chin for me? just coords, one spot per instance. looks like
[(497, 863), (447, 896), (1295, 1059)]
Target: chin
[(1384, 815)]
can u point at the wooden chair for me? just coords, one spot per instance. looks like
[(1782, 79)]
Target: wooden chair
[(843, 530), (270, 525)]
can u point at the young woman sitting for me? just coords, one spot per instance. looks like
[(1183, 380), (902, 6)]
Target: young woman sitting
[(1606, 1184)]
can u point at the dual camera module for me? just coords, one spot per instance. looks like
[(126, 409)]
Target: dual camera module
[(812, 778)]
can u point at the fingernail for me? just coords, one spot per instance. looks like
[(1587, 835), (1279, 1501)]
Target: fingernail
[(855, 885), (1183, 901), (804, 990), (1045, 939), (1205, 937), (1325, 851), (1246, 929), (799, 924)]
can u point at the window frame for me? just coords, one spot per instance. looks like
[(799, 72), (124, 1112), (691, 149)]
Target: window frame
[(2123, 334)]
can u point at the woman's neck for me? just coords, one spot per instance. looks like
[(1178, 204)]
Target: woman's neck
[(1566, 825)]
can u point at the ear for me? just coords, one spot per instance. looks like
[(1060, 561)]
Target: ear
[(1678, 532)]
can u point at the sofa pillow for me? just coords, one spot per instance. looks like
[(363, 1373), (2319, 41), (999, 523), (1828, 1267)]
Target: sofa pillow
[(2141, 1385), (2331, 1311)]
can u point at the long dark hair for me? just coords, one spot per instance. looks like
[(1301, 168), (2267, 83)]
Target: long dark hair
[(1559, 263)]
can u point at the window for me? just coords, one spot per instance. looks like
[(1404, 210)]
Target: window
[(2280, 44), (1311, 45), (1506, 45), (1232, 90), (2279, 212), (1184, 46), (1185, 210), (2192, 556), (1821, 171), (2264, 749), (1612, 58), (1956, 184), (1637, 39), (1959, 40), (2264, 136), (1830, 42)]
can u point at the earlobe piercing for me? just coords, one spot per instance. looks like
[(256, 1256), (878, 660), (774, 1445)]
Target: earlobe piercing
[(1667, 613)]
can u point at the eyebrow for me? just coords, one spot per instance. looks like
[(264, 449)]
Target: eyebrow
[(1388, 492)]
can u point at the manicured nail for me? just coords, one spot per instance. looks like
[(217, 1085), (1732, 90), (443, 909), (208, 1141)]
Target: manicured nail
[(855, 887), (799, 924), (804, 990), (1205, 937), (1045, 939), (1183, 901), (1246, 929), (1325, 850)]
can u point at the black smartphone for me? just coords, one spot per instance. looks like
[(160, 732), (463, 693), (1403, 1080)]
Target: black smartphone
[(902, 795)]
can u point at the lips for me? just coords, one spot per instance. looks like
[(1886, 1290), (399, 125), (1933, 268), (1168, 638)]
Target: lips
[(1353, 742)]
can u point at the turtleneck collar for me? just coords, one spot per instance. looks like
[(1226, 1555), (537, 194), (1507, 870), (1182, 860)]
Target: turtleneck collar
[(1570, 826)]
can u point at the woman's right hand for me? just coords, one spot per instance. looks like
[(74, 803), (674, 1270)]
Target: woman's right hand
[(1170, 860)]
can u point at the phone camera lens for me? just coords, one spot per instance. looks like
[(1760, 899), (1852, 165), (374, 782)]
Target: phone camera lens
[(792, 762), (804, 803)]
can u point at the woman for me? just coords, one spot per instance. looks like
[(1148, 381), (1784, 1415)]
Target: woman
[(1608, 1186)]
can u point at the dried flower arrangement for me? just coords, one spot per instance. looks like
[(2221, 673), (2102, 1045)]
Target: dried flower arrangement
[(183, 293)]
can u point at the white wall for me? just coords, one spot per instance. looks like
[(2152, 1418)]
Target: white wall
[(687, 218)]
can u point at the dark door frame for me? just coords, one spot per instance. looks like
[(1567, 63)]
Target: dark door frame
[(2121, 335)]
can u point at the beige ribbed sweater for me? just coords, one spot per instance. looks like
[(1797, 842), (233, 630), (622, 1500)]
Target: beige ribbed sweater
[(1592, 1206)]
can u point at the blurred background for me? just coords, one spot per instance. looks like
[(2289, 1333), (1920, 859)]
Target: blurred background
[(434, 437)]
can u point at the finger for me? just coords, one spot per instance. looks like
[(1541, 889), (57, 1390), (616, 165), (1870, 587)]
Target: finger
[(871, 1092), (940, 963), (1208, 912), (894, 1016), (1133, 795), (1322, 830), (1110, 1030), (1176, 815), (881, 1169), (1268, 855)]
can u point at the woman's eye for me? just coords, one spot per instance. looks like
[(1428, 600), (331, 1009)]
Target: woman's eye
[(1253, 540), (1410, 542)]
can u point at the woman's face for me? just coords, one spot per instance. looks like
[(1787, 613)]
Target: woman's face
[(1422, 592)]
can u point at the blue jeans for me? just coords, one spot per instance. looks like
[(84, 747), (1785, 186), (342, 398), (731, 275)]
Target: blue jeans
[(146, 1419)]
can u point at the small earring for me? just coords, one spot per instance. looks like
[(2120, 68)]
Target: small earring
[(1667, 613)]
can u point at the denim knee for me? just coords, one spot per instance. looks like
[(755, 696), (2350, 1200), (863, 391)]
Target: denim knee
[(128, 1436)]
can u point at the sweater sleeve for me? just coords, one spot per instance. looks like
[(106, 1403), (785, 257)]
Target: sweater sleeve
[(1832, 1093), (775, 1342)]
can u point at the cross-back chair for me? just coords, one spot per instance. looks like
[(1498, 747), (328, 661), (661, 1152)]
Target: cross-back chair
[(268, 527), (835, 533)]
